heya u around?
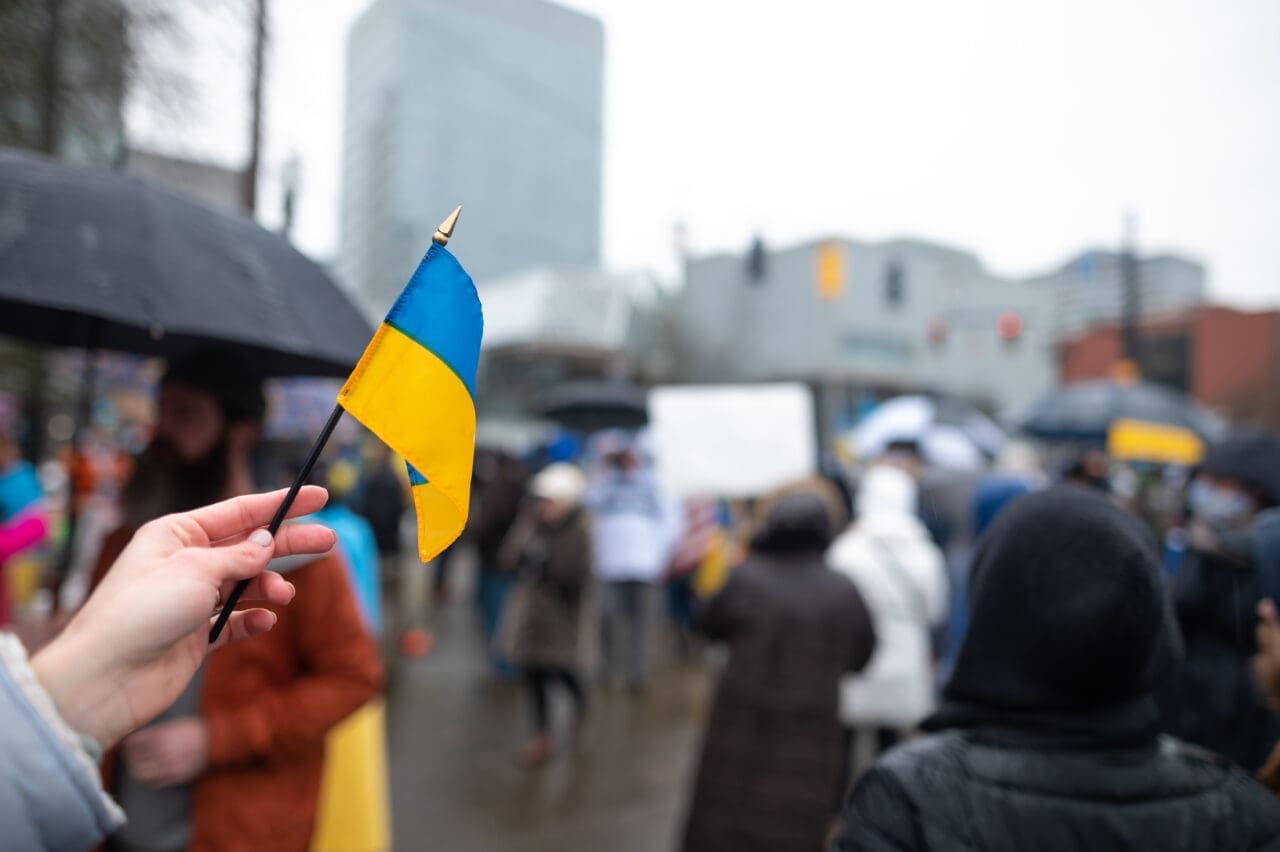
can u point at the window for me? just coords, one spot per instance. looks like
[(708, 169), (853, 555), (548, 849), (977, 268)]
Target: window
[(894, 284)]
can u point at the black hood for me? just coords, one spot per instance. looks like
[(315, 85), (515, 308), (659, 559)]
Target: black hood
[(796, 521), (1069, 618)]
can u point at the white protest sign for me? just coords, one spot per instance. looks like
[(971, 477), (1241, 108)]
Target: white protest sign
[(732, 440)]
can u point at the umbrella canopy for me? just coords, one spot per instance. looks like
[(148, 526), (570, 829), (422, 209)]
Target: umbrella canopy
[(590, 405), (1251, 458), (95, 258), (951, 434), (1087, 410)]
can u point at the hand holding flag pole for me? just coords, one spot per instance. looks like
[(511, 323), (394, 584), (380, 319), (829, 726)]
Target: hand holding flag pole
[(415, 389)]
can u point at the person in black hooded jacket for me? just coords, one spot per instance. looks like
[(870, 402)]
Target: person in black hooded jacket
[(1211, 701), (1048, 736)]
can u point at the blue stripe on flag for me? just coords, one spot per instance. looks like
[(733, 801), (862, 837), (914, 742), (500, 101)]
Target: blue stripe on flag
[(440, 310)]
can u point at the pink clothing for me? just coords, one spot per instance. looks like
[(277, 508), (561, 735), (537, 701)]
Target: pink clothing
[(20, 533), (24, 531)]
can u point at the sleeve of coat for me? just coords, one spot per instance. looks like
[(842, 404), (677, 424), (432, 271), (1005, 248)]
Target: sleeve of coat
[(340, 670), (879, 817), (937, 589), (571, 572), (516, 540), (50, 797), (864, 634)]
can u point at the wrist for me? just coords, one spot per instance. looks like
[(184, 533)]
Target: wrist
[(81, 689)]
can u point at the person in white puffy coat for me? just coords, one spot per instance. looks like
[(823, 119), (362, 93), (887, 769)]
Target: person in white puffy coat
[(901, 574)]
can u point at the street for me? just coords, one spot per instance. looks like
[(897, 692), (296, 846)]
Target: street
[(455, 733)]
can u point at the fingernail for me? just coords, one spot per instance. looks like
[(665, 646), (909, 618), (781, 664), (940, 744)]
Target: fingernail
[(261, 538)]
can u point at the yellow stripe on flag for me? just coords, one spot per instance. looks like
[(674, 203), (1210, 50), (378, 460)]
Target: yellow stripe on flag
[(420, 408)]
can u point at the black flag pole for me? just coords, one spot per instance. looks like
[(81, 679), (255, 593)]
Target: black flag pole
[(274, 526)]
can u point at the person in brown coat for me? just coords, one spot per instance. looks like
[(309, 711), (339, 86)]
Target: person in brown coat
[(773, 761), (236, 762), (547, 622)]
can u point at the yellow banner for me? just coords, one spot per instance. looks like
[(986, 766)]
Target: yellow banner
[(1138, 440)]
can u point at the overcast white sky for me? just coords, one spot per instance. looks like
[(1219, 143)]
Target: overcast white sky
[(1020, 130)]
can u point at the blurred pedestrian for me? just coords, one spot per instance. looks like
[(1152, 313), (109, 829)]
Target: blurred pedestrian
[(1048, 736), (379, 497), (499, 492), (1017, 471), (236, 761), (1212, 701), (633, 530), (354, 812), (888, 554), (1266, 676), (772, 767), (22, 517), (702, 532), (1089, 468), (133, 646), (548, 621)]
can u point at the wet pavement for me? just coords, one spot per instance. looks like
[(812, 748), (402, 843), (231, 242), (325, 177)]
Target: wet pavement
[(455, 733)]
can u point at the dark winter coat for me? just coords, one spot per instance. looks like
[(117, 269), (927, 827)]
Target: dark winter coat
[(1049, 732), (498, 504), (994, 790), (1212, 700), (547, 618), (382, 502), (773, 758)]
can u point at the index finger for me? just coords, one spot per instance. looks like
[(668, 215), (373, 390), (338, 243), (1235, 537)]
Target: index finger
[(242, 514)]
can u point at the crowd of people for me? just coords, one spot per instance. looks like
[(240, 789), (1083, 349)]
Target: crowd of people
[(1014, 659), (1009, 660)]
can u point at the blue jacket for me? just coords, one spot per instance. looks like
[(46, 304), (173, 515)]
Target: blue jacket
[(50, 793)]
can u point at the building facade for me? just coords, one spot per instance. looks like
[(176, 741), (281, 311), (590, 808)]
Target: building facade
[(210, 183), (855, 318), (1089, 289), (493, 104), (550, 325)]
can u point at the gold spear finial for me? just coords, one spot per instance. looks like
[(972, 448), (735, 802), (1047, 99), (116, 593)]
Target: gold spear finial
[(445, 231)]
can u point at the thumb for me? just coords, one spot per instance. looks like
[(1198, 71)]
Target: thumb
[(241, 561)]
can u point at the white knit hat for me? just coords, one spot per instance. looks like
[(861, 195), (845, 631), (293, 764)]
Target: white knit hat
[(560, 482)]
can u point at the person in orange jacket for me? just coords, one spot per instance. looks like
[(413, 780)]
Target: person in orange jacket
[(236, 762)]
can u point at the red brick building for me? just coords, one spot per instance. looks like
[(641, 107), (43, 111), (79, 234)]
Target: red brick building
[(1227, 359)]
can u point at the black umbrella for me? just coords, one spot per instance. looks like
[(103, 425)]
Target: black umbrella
[(98, 259), (1085, 411), (1251, 458), (588, 405)]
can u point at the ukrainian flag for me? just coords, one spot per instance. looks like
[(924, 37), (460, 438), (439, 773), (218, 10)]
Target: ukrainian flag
[(415, 389)]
